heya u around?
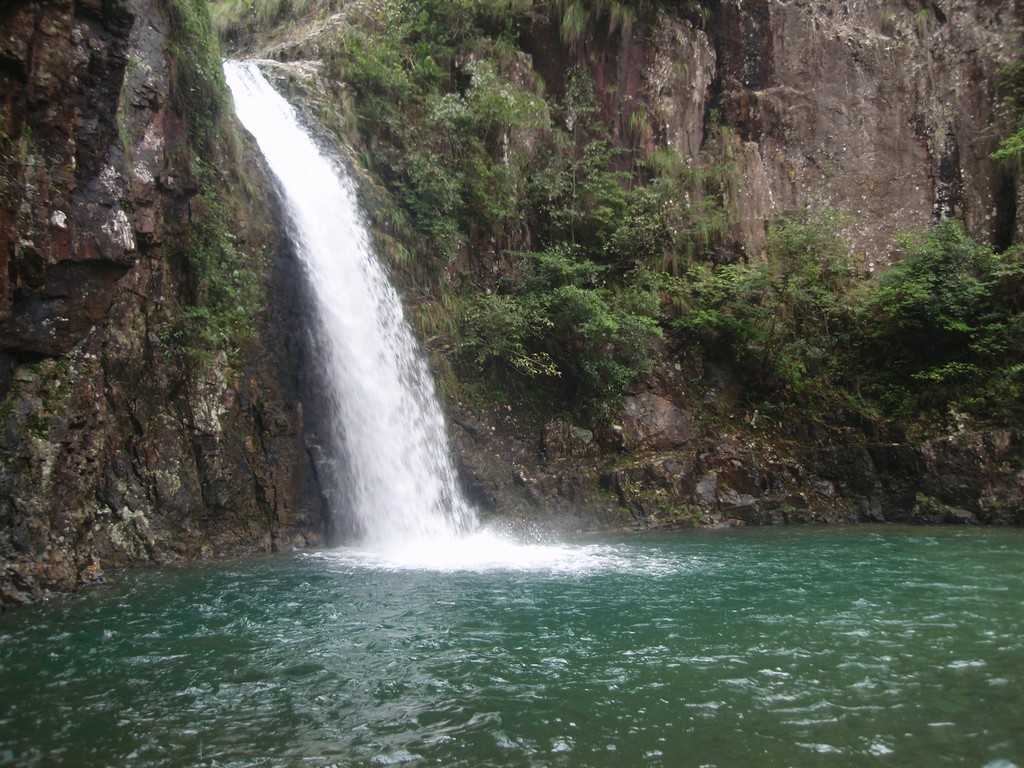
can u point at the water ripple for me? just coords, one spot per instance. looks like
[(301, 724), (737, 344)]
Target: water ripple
[(740, 648)]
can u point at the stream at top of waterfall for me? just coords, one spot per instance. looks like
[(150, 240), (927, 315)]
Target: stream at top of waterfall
[(791, 646)]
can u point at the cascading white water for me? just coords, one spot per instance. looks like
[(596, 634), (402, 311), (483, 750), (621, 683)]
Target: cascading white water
[(387, 422)]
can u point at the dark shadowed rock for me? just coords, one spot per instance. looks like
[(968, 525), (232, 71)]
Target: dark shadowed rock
[(564, 440), (116, 447), (653, 422)]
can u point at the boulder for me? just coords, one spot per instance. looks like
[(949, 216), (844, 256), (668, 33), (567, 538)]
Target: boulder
[(652, 422)]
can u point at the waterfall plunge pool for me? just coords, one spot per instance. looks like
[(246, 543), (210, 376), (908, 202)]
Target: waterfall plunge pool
[(794, 646), (432, 646)]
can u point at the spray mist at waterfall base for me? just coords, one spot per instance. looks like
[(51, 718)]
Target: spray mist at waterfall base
[(485, 550)]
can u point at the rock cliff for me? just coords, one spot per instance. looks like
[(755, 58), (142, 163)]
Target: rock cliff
[(886, 112), (119, 443), (142, 420)]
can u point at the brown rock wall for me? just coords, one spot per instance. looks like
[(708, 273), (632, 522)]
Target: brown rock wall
[(884, 111), (116, 447)]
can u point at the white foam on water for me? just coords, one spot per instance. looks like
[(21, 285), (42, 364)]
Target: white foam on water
[(486, 550)]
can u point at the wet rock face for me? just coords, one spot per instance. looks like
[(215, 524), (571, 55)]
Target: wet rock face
[(974, 477), (650, 421), (658, 465), (114, 448), (565, 440), (680, 76), (881, 110), (65, 233), (740, 477), (884, 111)]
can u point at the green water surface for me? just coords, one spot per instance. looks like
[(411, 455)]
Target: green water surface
[(802, 647)]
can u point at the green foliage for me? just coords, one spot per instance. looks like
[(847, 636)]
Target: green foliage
[(674, 219), (581, 19), (561, 322), (477, 167), (232, 17), (225, 292), (923, 22), (577, 196), (601, 345), (433, 196), (932, 294), (1011, 149), (948, 322), (493, 104), (784, 320), (943, 327), (436, 106), (1010, 88), (499, 332), (199, 89)]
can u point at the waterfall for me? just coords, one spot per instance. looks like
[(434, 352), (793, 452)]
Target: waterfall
[(385, 418)]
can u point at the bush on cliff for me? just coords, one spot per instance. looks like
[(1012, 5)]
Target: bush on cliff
[(945, 326), (1011, 92), (560, 329), (784, 321)]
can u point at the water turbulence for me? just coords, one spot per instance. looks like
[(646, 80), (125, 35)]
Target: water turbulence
[(400, 486), (386, 420)]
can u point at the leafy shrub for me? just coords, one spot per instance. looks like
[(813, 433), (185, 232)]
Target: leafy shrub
[(676, 218), (225, 292), (946, 325), (784, 320), (1010, 88), (435, 106), (561, 322), (499, 332), (582, 19)]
